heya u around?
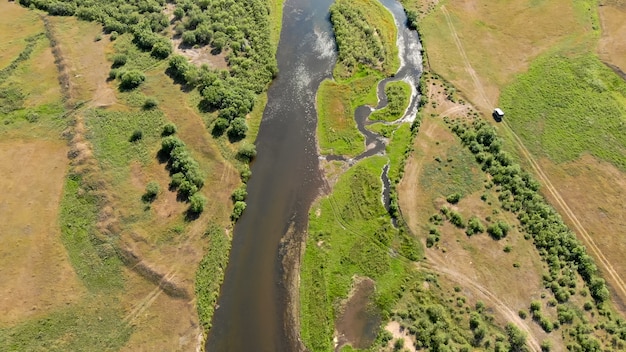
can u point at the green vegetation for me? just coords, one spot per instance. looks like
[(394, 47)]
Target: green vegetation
[(95, 321), (566, 106), (93, 257), (366, 36), (334, 256), (336, 129), (211, 273), (398, 95)]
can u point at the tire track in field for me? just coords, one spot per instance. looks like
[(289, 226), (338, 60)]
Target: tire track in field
[(489, 296), (587, 239), (466, 62)]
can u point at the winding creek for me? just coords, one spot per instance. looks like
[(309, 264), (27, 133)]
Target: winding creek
[(253, 311)]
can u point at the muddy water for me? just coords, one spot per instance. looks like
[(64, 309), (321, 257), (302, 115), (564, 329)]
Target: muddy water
[(286, 178)]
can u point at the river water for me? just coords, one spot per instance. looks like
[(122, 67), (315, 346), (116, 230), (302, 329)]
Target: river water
[(285, 180), (252, 313)]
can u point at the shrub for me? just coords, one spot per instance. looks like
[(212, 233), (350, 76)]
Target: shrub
[(239, 194), (453, 198), (119, 60), (113, 36), (169, 129), (162, 49), (238, 209), (197, 203), (498, 230), (457, 219), (132, 79), (152, 190), (238, 129), (474, 226), (150, 103), (136, 136), (247, 152)]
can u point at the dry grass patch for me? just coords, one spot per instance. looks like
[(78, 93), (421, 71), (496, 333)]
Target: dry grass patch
[(34, 268), (612, 46), (16, 24), (595, 191), (497, 39), (478, 263), (85, 58)]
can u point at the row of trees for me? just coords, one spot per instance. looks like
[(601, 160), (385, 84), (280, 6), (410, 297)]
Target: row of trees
[(519, 193)]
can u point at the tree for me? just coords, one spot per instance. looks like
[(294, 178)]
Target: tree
[(162, 49), (132, 79), (238, 129), (517, 338), (247, 152)]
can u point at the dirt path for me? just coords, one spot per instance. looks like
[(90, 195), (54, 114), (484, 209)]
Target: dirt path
[(616, 281), (440, 267), (468, 67)]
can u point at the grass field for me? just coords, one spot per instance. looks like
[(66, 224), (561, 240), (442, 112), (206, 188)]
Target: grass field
[(571, 124), (566, 106), (349, 235), (31, 232)]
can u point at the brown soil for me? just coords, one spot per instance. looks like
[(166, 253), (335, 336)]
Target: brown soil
[(612, 47), (32, 257)]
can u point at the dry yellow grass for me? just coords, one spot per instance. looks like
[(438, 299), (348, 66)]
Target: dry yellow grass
[(16, 24), (612, 46), (499, 40), (35, 271)]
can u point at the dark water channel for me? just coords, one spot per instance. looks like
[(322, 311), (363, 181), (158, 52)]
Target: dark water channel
[(252, 313), (285, 180)]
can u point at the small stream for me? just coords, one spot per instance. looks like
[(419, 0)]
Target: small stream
[(253, 308)]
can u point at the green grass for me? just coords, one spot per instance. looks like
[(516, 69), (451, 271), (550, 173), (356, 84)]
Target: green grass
[(399, 96), (210, 273), (455, 172), (351, 237), (336, 129), (567, 106), (93, 259), (136, 58), (94, 324), (111, 132)]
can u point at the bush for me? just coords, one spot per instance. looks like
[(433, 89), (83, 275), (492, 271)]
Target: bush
[(150, 103), (132, 79), (119, 60), (136, 136), (152, 190), (474, 226), (453, 198), (498, 230), (238, 129), (240, 206), (162, 49), (169, 129), (239, 194), (247, 152), (113, 36), (197, 203)]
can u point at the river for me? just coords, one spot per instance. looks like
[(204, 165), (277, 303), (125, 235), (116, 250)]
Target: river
[(253, 307)]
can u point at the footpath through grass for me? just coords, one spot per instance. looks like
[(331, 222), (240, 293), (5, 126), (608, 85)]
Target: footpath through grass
[(566, 106)]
